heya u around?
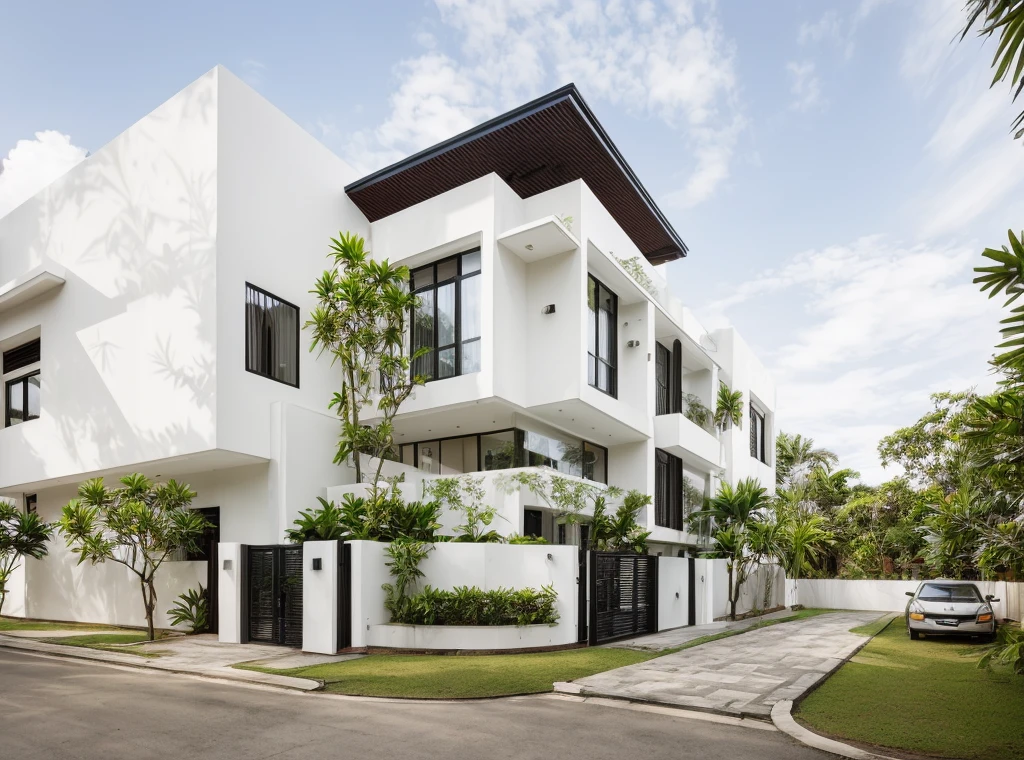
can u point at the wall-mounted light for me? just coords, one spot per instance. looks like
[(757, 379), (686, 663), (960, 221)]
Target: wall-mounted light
[(227, 564), (550, 558), (318, 563), (529, 246), (549, 309), (632, 343)]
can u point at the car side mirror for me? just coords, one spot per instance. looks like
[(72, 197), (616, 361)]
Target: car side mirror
[(909, 593), (991, 598)]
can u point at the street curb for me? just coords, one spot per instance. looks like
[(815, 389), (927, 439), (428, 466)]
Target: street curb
[(782, 717), (571, 689), (131, 661)]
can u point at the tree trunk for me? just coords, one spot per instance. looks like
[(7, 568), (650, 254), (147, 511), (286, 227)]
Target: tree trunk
[(149, 603), (732, 594), (354, 402)]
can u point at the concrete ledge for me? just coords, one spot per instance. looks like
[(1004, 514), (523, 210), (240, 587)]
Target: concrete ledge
[(489, 638), (782, 717)]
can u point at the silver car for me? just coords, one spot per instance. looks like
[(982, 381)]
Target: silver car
[(950, 607)]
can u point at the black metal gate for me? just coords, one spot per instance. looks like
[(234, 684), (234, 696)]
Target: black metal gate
[(582, 608), (274, 594), (623, 596)]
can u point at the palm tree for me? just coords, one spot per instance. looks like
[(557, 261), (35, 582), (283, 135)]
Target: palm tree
[(729, 407), (767, 541), (1005, 17), (795, 456)]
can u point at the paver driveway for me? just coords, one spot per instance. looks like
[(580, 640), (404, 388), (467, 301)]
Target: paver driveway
[(744, 674)]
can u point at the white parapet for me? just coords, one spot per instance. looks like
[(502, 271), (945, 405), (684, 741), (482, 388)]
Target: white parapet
[(320, 596), (229, 593)]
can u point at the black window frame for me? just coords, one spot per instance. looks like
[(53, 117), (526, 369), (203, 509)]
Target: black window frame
[(24, 355), (662, 380), (435, 350), (758, 424), (31, 503), (668, 491), (24, 399), (533, 514), (298, 334), (593, 351)]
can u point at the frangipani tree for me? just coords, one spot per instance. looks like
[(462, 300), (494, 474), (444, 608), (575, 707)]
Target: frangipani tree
[(361, 318), (22, 534), (138, 525)]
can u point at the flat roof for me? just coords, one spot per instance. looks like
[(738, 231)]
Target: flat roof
[(541, 145)]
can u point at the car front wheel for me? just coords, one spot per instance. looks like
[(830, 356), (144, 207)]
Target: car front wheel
[(914, 635)]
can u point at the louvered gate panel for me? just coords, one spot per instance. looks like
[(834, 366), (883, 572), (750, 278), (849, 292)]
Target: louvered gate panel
[(291, 594), (623, 596), (263, 625)]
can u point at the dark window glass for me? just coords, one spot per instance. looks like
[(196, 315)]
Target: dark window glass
[(447, 320), (498, 450), (595, 462), (31, 503), (602, 308), (661, 378), (428, 457), (22, 400), (271, 336), (953, 592), (757, 435), (668, 486), (533, 523), (561, 534)]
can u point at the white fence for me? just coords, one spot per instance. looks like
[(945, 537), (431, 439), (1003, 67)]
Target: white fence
[(834, 594)]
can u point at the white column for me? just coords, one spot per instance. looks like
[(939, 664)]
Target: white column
[(320, 596), (229, 593)]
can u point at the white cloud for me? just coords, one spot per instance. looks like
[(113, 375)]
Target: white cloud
[(805, 87), (871, 328), (929, 51), (668, 61), (33, 164), (826, 27)]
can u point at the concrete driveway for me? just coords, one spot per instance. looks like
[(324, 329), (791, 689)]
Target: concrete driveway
[(742, 675), (57, 709)]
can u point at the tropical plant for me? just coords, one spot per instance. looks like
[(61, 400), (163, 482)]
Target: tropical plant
[(138, 525), (1004, 18), (636, 270), (466, 605), (192, 607), (620, 532), (1008, 649), (766, 542), (361, 320), (404, 557), (696, 412), (465, 494), (729, 407), (22, 534), (805, 538), (384, 517), (796, 455)]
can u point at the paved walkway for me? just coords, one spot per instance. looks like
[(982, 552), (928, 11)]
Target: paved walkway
[(199, 655), (741, 675), (656, 642)]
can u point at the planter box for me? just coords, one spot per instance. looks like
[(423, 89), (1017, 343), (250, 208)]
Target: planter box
[(446, 637)]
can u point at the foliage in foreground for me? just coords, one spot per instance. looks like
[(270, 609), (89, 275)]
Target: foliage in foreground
[(473, 606), (138, 525), (22, 534), (193, 608)]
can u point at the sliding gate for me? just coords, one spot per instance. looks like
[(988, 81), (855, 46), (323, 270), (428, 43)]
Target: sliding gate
[(623, 596), (273, 594)]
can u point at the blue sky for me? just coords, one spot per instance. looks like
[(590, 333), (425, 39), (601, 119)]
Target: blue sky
[(834, 167)]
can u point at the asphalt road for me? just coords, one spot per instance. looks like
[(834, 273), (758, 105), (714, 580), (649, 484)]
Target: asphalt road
[(53, 708)]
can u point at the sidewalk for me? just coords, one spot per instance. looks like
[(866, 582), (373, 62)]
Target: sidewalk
[(740, 675), (199, 655)]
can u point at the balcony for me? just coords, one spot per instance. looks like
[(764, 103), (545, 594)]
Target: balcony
[(691, 443), (32, 284)]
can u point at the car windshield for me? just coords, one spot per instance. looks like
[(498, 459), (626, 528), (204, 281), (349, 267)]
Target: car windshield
[(938, 592)]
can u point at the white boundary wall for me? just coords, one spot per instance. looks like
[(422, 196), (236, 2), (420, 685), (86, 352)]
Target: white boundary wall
[(835, 594), (486, 566), (673, 592)]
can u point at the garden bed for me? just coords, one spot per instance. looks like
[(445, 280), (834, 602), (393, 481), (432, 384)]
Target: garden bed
[(463, 637)]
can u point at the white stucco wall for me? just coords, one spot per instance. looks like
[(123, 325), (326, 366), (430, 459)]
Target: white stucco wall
[(129, 341), (673, 592), (320, 597)]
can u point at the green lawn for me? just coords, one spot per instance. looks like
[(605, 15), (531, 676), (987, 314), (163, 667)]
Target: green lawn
[(20, 624), (462, 676), (921, 696), (109, 642)]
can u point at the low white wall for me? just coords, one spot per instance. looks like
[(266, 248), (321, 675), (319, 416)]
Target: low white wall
[(753, 591), (486, 566), (888, 596), (464, 636), (14, 598), (320, 597), (673, 592), (58, 588)]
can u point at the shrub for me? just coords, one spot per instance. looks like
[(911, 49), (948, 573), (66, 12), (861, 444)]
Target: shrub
[(192, 607), (384, 518), (472, 606)]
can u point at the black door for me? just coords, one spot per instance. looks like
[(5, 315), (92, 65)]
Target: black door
[(582, 610), (208, 553), (623, 596), (691, 583), (274, 594)]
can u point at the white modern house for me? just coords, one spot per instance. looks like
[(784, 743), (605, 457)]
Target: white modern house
[(151, 303)]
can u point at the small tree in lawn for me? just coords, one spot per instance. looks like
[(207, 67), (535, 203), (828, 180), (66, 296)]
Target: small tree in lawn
[(361, 319), (138, 525), (22, 534)]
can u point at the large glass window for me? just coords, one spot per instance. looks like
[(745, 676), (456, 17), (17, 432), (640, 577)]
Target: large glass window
[(602, 348), (22, 402), (498, 450), (668, 487), (271, 336), (595, 462), (447, 320), (757, 435)]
